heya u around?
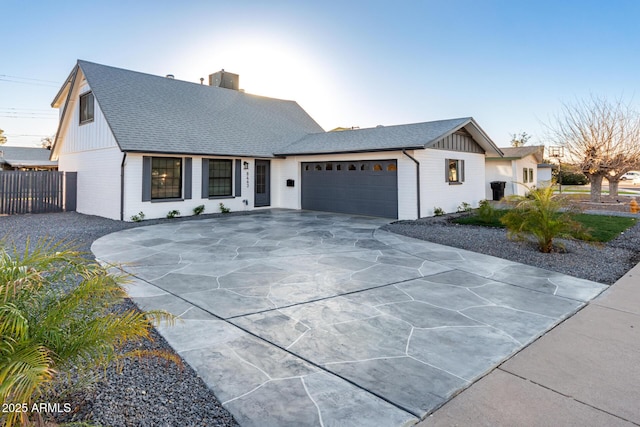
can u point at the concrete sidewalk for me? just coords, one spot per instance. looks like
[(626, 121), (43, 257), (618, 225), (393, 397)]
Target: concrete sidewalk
[(584, 372)]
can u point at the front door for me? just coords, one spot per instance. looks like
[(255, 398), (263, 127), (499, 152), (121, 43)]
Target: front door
[(263, 184)]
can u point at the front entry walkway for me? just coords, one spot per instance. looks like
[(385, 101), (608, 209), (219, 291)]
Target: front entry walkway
[(307, 318)]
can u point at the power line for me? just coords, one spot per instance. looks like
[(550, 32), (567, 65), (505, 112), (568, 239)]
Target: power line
[(27, 113), (51, 110), (23, 135), (15, 116), (32, 83), (27, 78)]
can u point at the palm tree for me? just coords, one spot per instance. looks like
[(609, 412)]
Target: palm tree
[(541, 214), (56, 316)]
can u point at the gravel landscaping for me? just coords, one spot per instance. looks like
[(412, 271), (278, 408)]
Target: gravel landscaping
[(159, 393), (148, 392), (604, 263)]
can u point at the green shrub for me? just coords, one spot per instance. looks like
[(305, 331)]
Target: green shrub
[(172, 214), (137, 218), (438, 211), (198, 210), (57, 317), (539, 215), (571, 178), (464, 207), (224, 209), (486, 212)]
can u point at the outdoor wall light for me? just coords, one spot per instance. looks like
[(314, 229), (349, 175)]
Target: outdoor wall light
[(246, 165)]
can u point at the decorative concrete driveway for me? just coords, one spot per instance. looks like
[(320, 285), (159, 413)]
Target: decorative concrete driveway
[(307, 318)]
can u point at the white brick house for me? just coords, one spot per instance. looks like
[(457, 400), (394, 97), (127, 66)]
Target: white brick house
[(144, 143)]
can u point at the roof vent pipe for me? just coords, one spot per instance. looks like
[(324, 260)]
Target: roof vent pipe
[(170, 76)]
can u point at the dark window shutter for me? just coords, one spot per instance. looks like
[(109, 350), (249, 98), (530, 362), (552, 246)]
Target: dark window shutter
[(187, 177), (461, 165), (446, 170), (205, 179), (146, 178), (238, 178)]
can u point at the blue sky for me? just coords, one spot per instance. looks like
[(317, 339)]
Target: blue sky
[(509, 64)]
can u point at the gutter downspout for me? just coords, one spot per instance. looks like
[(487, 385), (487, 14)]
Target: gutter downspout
[(124, 157), (404, 151)]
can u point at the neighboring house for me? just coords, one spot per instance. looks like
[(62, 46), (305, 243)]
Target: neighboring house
[(25, 158), (518, 167), (545, 174), (154, 144)]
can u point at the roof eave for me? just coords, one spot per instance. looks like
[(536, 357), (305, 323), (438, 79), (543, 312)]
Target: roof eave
[(184, 153), (69, 84), (371, 150)]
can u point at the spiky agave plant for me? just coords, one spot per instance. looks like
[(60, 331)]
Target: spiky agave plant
[(543, 215), (57, 315)]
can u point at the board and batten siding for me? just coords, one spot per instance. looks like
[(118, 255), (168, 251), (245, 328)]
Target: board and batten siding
[(133, 183), (88, 136), (458, 141)]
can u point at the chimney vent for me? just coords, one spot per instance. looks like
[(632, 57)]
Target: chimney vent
[(170, 76), (225, 79)]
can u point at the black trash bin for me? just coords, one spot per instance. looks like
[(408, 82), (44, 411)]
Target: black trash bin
[(498, 189)]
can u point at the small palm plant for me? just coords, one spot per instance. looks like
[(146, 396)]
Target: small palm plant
[(542, 214), (57, 316)]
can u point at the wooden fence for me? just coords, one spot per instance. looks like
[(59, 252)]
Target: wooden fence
[(37, 192)]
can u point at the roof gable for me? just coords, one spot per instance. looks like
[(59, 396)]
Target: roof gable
[(389, 138), (155, 114)]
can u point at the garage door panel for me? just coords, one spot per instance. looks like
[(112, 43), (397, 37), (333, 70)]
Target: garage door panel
[(358, 187)]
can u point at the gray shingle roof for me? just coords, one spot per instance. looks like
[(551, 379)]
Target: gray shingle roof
[(155, 114), (25, 156), (521, 152), (382, 138)]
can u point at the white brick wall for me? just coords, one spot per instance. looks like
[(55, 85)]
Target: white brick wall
[(436, 192), (133, 203), (511, 171), (98, 180)]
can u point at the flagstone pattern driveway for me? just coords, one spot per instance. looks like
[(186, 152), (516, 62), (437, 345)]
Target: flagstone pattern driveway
[(308, 318)]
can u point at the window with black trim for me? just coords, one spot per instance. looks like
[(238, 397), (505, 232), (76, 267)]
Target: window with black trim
[(220, 177), (454, 173), (86, 108), (166, 178)]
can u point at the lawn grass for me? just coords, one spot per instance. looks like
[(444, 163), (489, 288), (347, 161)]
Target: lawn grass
[(602, 228)]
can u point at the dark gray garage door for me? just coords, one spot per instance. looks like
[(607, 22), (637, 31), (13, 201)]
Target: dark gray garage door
[(362, 187)]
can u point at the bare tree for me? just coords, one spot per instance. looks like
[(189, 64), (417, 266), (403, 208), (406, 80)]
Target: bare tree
[(519, 139), (602, 137)]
